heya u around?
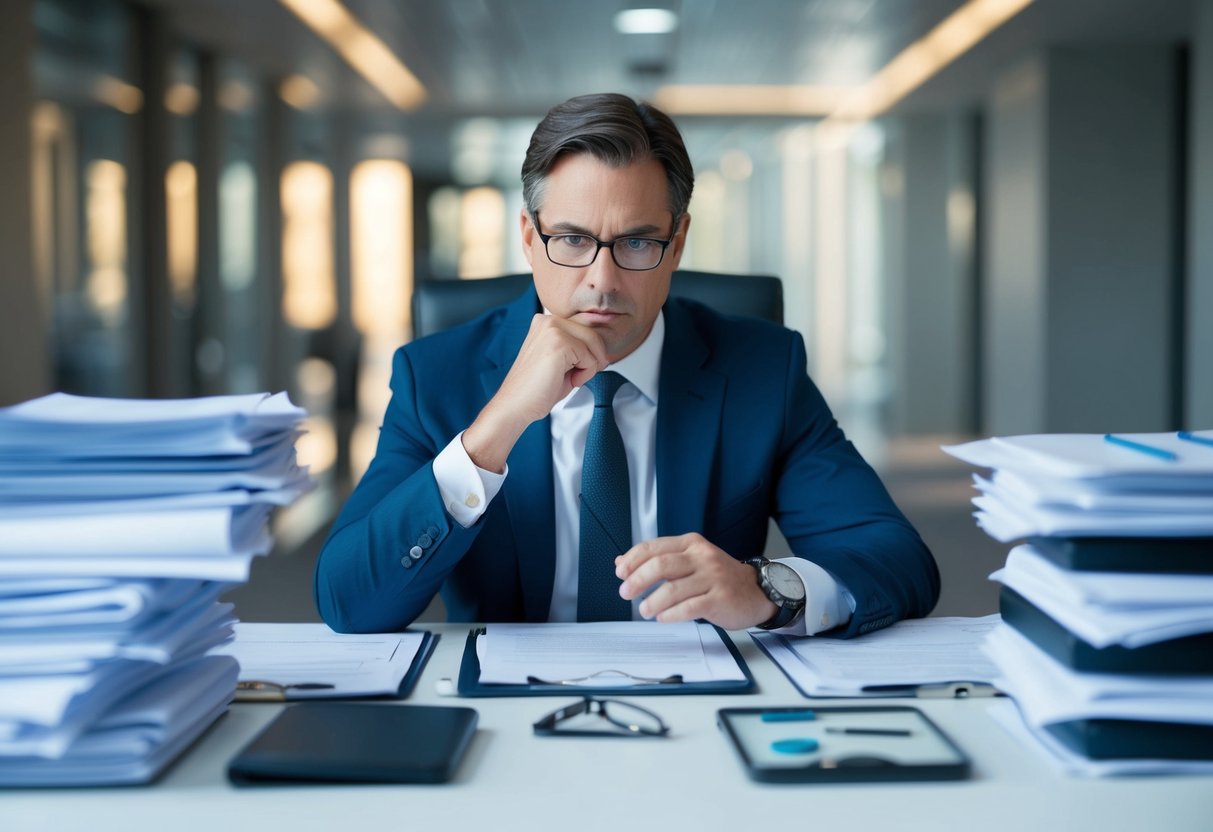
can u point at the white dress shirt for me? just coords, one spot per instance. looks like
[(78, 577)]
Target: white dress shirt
[(467, 489)]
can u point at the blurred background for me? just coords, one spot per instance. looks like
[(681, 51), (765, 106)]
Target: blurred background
[(989, 216)]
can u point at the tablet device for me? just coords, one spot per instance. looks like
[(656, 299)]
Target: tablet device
[(884, 743), (352, 742)]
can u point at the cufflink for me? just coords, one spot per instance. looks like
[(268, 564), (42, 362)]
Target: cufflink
[(472, 500)]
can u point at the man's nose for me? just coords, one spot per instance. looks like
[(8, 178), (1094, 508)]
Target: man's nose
[(603, 274)]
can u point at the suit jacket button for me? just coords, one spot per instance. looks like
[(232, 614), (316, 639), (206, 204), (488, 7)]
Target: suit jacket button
[(416, 552), (425, 541), (406, 562), (432, 531)]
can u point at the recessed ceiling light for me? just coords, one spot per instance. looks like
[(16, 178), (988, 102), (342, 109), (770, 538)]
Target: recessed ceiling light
[(646, 21)]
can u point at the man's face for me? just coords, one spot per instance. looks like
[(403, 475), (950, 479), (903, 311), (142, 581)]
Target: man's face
[(585, 196)]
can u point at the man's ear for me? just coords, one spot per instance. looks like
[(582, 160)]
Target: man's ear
[(527, 227), (680, 240)]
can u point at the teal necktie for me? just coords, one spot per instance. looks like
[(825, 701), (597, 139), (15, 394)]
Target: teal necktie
[(606, 509)]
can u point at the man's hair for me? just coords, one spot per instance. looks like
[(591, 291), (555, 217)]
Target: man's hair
[(615, 130)]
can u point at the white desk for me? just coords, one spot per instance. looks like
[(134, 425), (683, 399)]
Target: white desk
[(511, 779)]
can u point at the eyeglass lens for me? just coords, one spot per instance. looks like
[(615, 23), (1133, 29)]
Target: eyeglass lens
[(634, 253), (629, 717)]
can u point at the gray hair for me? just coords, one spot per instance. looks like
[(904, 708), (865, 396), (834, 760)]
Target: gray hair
[(615, 130)]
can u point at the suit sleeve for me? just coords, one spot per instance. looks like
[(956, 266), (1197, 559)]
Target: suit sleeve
[(835, 512), (394, 542)]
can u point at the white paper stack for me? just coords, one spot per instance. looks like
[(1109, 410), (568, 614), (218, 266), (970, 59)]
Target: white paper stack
[(1107, 640), (121, 524)]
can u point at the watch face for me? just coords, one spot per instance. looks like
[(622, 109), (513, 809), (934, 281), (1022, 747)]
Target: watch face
[(784, 580)]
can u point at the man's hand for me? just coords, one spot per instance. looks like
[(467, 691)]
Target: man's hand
[(701, 581), (556, 356)]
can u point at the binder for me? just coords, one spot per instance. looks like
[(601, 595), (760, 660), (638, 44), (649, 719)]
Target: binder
[(1115, 739), (470, 685), (1170, 555), (1191, 655)]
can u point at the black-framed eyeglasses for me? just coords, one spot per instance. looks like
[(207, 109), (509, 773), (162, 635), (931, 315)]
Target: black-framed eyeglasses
[(615, 718), (633, 254)]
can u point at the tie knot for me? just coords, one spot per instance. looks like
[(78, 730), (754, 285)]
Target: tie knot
[(604, 386)]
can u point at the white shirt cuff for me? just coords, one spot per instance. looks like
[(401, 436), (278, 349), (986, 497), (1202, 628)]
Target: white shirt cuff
[(827, 604), (466, 488)]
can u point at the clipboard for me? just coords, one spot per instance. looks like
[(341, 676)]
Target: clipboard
[(270, 691), (470, 685), (778, 652)]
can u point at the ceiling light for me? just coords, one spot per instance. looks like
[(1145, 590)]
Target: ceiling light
[(646, 21), (299, 91), (750, 100), (361, 49), (921, 60)]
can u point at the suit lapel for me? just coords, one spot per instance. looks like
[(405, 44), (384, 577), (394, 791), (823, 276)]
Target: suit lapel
[(529, 490), (689, 409)]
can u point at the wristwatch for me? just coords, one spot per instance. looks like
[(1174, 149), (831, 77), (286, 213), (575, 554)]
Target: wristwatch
[(784, 587)]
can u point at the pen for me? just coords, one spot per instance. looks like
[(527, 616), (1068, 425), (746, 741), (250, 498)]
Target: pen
[(1149, 450), (872, 732), (1187, 436), (789, 716)]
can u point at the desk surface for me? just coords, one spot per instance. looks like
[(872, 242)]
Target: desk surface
[(511, 779)]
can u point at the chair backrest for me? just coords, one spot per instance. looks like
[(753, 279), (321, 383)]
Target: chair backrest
[(442, 304)]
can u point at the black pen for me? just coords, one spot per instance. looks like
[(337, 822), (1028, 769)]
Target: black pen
[(872, 732)]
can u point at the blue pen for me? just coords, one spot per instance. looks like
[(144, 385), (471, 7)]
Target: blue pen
[(789, 716), (1189, 437), (1149, 450)]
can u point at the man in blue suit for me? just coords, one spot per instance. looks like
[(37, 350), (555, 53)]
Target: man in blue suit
[(477, 488)]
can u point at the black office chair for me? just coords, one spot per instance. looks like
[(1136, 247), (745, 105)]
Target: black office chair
[(442, 304)]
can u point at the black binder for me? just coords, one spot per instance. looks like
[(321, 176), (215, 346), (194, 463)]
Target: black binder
[(470, 684), (1163, 555), (350, 742), (1191, 655), (1117, 739)]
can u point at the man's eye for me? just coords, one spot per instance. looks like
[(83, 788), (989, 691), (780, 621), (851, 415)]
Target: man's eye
[(575, 240), (638, 244)]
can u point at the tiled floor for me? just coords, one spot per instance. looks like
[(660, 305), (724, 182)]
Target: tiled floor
[(930, 487)]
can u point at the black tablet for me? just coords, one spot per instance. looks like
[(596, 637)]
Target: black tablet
[(841, 744), (352, 742)]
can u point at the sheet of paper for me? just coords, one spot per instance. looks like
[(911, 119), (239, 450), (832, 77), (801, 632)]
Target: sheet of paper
[(1088, 456), (926, 651), (229, 569), (1081, 495), (67, 427), (1047, 692), (1007, 520), (291, 654), (203, 532), (1113, 590), (606, 653)]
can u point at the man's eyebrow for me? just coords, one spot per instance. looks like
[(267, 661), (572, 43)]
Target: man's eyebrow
[(573, 228)]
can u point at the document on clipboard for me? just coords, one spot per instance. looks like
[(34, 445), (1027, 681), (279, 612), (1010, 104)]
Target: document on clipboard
[(928, 657), (281, 662), (632, 657)]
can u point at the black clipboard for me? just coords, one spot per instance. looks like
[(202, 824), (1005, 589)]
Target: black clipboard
[(424, 651), (471, 686)]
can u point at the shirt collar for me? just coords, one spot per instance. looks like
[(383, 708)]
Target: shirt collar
[(642, 366)]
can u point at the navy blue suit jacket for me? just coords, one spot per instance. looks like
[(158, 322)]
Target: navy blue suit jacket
[(742, 435)]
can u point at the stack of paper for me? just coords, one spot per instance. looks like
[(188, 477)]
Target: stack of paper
[(121, 523), (1107, 636)]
